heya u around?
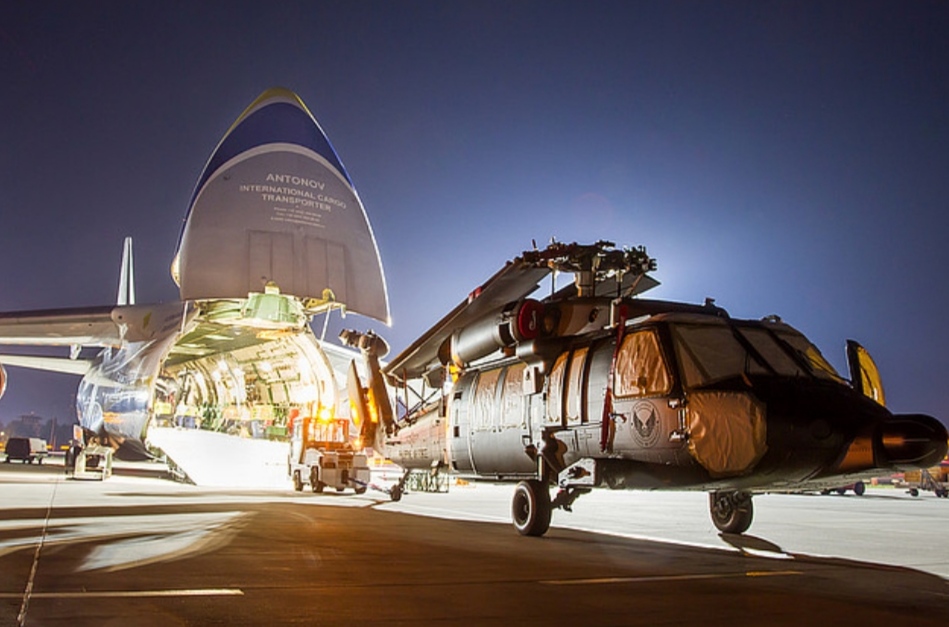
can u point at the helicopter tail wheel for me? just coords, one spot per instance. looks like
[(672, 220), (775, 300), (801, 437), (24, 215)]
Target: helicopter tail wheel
[(531, 508), (732, 512)]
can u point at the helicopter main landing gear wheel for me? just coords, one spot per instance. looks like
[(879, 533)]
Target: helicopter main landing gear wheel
[(732, 512), (531, 508)]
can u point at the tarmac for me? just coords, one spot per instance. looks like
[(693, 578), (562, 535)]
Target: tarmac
[(139, 549)]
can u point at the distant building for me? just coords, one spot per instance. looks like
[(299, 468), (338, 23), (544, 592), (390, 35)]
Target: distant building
[(27, 426)]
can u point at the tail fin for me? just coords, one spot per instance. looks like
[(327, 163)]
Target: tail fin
[(126, 276)]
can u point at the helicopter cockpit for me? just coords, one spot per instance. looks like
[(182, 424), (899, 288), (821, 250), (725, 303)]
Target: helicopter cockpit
[(712, 349)]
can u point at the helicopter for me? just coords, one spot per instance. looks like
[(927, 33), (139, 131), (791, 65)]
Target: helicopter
[(593, 386)]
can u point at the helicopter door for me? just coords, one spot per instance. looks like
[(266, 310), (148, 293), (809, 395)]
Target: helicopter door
[(499, 422), (864, 375)]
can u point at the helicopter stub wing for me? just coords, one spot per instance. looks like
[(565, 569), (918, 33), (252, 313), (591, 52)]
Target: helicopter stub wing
[(516, 280)]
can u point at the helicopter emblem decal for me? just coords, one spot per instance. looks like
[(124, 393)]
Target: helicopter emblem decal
[(645, 424)]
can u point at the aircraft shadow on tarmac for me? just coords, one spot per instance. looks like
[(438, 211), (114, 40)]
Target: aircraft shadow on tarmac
[(759, 547), (746, 544)]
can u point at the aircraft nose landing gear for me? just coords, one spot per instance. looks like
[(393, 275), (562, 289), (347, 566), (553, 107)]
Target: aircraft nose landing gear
[(732, 512)]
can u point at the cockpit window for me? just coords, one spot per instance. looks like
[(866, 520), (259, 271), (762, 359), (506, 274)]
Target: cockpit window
[(820, 367), (778, 358), (709, 353), (640, 368)]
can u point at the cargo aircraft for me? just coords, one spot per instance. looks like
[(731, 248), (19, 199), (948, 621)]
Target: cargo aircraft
[(275, 234), (594, 386)]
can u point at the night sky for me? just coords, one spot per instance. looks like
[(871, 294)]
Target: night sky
[(786, 158)]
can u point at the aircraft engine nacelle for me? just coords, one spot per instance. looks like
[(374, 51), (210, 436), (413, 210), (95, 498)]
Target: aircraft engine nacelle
[(913, 441), (3, 380), (517, 322)]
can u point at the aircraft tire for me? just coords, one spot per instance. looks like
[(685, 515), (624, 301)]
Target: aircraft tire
[(731, 513), (395, 493), (859, 488), (360, 489), (297, 482), (530, 508)]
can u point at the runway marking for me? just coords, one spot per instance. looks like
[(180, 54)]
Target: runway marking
[(655, 578), (104, 594)]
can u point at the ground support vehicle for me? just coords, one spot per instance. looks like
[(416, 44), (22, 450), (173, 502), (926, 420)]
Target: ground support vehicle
[(431, 480), (93, 462), (335, 469), (26, 450), (933, 479), (322, 455)]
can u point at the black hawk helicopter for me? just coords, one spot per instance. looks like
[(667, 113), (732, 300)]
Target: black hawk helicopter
[(593, 386)]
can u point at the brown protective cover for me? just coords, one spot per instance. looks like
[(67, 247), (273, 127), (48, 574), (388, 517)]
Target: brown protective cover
[(727, 432)]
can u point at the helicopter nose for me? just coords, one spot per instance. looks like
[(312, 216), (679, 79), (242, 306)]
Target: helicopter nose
[(913, 440)]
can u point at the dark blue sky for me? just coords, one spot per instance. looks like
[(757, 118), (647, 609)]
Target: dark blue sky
[(781, 157)]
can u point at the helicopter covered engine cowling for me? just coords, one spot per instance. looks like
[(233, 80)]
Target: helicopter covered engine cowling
[(519, 321)]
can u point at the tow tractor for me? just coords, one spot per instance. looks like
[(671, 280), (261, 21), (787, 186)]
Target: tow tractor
[(322, 455)]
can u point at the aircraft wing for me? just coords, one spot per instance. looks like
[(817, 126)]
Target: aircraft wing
[(89, 326), (514, 281), (109, 325)]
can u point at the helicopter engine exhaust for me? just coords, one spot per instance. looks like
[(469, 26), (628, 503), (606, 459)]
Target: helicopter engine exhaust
[(912, 440)]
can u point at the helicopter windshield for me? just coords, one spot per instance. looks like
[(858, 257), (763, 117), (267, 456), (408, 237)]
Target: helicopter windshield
[(715, 351)]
